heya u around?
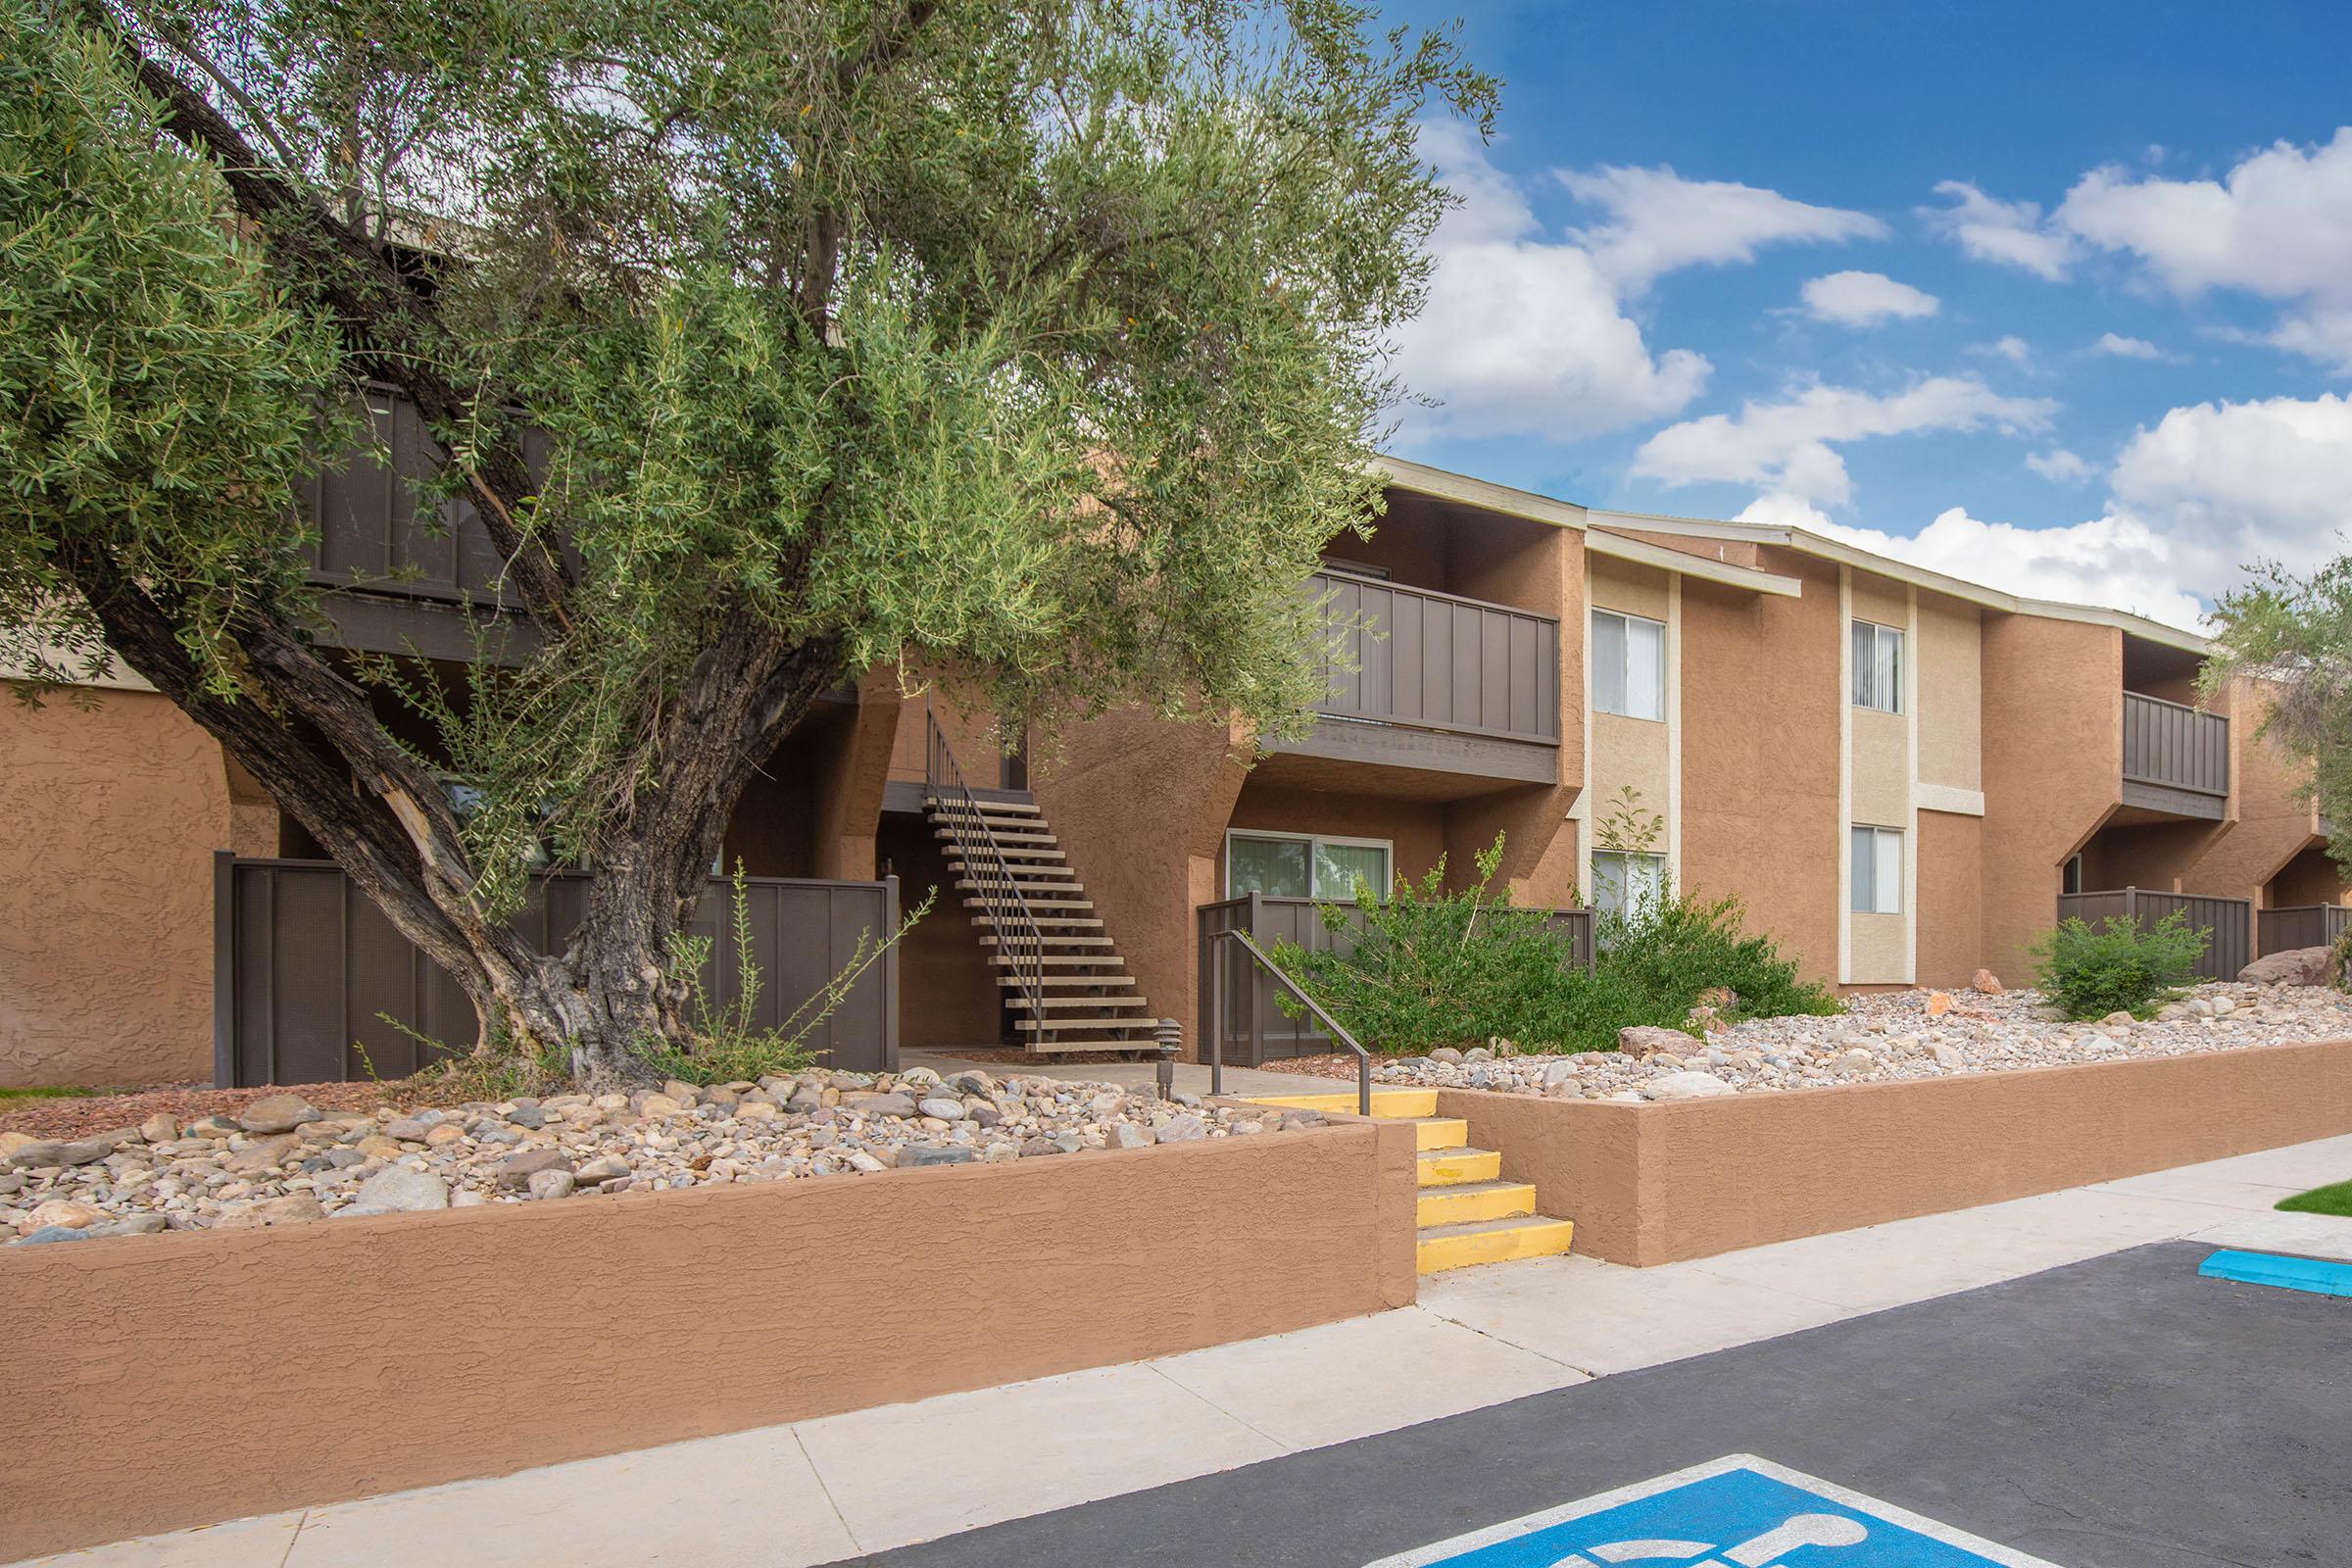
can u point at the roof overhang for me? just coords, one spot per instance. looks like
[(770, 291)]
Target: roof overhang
[(1618, 547), (1463, 490), (1845, 555)]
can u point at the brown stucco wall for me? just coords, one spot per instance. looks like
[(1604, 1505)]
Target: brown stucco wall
[(110, 811), (1140, 805), (2053, 767), (947, 991), (2277, 820), (1760, 715), (650, 1318), (2311, 877), (1657, 1184), (1951, 899)]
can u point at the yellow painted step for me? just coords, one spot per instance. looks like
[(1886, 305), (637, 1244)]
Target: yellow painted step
[(1395, 1104), (1491, 1241), (1451, 1167), (1473, 1201), (1440, 1132)]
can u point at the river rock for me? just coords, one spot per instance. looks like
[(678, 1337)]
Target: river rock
[(401, 1189), (277, 1113), (1647, 1039), (554, 1182), (1686, 1085), (516, 1170)]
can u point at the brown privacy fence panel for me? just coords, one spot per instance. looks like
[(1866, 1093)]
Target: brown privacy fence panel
[(307, 971), (2229, 920), (1255, 1027), (2307, 925), (1440, 661), (2179, 748)]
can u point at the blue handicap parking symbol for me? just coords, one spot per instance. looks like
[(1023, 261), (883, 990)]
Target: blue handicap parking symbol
[(1737, 1512)]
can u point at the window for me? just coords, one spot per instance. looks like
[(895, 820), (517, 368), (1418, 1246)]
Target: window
[(1629, 666), (1877, 667), (1878, 871), (1300, 865), (2070, 877), (1627, 884)]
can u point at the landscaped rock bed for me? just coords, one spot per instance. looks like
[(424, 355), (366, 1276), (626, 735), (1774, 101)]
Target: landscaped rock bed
[(1897, 1035), (282, 1161)]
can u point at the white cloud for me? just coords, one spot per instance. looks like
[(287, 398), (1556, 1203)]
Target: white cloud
[(1790, 445), (2058, 465), (2236, 482), (1863, 299), (2127, 348), (2016, 350), (2277, 226), (1659, 221), (1524, 335), (2117, 561), (2012, 233), (2207, 491)]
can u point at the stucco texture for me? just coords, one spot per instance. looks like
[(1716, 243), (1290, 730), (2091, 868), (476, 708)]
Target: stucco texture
[(2276, 819), (650, 1318), (1658, 1184), (110, 811), (1760, 715), (2053, 767)]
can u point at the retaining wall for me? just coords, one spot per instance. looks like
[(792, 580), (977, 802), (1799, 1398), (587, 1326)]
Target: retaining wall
[(1657, 1184), (349, 1357)]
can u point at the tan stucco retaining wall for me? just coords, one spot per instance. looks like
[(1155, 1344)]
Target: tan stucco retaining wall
[(1657, 1184), (528, 1335), (111, 806)]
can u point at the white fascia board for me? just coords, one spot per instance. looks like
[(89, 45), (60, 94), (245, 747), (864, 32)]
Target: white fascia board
[(1460, 488), (1846, 554), (1619, 548)]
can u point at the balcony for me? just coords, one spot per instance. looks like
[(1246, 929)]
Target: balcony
[(2175, 758), (1441, 684)]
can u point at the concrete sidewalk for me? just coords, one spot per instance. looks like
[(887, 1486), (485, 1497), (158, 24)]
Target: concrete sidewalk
[(820, 1491)]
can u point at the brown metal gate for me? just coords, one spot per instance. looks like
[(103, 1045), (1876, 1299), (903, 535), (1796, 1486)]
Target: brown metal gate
[(307, 971)]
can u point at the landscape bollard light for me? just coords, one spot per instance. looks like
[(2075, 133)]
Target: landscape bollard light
[(1171, 1041)]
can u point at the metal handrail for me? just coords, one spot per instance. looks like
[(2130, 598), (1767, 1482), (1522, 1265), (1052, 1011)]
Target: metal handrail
[(994, 874), (1216, 1019)]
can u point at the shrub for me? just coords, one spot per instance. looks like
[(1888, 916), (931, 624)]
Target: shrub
[(1434, 968), (2121, 967), (726, 1045)]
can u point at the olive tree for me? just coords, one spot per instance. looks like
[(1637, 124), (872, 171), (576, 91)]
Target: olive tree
[(1046, 336)]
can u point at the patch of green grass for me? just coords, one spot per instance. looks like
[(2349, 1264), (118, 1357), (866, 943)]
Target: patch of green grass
[(2335, 1199), (10, 1098)]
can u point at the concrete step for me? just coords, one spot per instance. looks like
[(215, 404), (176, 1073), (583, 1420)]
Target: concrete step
[(1390, 1105), (1453, 1168), (1473, 1201), (1491, 1241), (1440, 1132)]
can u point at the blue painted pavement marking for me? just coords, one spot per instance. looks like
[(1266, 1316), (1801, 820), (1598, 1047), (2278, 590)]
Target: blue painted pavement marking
[(2289, 1273), (1734, 1512)]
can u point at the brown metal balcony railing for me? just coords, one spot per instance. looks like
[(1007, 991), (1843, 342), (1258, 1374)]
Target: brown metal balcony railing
[(1439, 662), (2175, 747)]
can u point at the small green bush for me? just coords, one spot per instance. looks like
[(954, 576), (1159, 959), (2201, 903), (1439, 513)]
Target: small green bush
[(1434, 968), (2121, 967)]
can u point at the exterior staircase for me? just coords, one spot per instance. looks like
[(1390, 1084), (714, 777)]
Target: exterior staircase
[(1466, 1212), (1060, 973)]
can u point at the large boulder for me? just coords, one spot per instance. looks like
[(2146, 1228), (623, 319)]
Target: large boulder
[(2297, 966), (1647, 1039)]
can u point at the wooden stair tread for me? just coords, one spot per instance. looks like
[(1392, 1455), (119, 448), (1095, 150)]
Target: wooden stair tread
[(1031, 1026)]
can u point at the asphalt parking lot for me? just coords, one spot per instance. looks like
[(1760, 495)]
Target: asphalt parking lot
[(2116, 1413)]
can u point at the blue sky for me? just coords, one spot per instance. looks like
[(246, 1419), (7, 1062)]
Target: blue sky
[(2055, 296)]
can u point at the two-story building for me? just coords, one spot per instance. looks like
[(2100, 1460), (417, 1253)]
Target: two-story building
[(1904, 776)]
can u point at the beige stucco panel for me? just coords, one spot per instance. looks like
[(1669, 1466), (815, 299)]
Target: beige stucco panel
[(1951, 697), (1881, 598), (1632, 751), (1880, 950), (1627, 586), (1882, 769)]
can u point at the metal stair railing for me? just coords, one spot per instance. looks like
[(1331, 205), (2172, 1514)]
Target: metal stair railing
[(1019, 938), (1214, 1026)]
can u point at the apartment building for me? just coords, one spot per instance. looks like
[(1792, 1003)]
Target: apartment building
[(1904, 776)]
